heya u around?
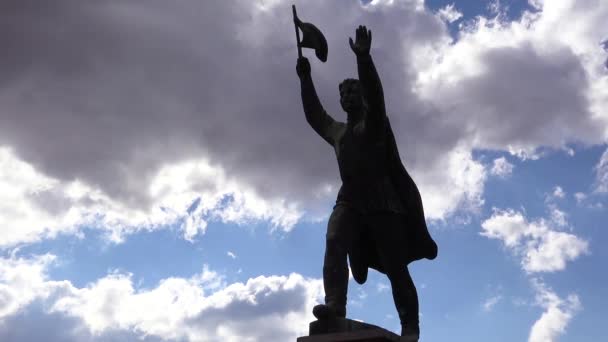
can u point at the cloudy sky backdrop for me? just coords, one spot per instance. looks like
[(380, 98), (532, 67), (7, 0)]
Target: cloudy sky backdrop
[(158, 179)]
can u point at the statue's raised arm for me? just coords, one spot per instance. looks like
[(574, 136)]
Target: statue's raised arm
[(368, 76)]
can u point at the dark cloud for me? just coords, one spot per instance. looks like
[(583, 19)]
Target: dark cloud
[(108, 91), (105, 92), (35, 324), (605, 47), (252, 315), (263, 302), (526, 98)]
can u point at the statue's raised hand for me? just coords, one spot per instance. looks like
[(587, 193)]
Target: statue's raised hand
[(363, 41)]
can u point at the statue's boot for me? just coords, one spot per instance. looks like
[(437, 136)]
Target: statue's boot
[(410, 333), (410, 329), (335, 282), (326, 311)]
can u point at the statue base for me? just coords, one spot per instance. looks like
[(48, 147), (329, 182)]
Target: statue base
[(346, 330)]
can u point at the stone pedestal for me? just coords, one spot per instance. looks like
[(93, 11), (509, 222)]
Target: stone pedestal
[(346, 330)]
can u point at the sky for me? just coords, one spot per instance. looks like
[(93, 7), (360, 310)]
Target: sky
[(159, 182)]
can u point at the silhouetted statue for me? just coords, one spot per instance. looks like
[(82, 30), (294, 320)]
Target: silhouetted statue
[(378, 219)]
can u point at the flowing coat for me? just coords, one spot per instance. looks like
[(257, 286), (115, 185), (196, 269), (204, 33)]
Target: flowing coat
[(414, 238)]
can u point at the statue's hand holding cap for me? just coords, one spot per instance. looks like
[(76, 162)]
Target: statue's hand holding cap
[(303, 67)]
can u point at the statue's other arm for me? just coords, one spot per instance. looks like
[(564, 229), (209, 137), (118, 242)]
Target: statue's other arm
[(372, 88), (316, 116), (368, 76)]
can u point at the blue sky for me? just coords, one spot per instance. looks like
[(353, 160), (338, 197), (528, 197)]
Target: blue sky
[(158, 180)]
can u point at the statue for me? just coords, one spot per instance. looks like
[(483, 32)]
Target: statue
[(378, 219)]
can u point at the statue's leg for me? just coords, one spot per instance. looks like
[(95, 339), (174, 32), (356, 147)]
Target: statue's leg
[(335, 268), (389, 244)]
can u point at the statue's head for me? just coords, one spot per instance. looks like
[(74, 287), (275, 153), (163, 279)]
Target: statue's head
[(351, 96)]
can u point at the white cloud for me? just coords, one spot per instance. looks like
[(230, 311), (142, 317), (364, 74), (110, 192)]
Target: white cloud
[(24, 215), (557, 315), (361, 294), (519, 301), (22, 281), (497, 8), (491, 302), (552, 250), (494, 6), (382, 287), (590, 201), (508, 226), (200, 307), (449, 13), (456, 182), (501, 167), (601, 174), (231, 254), (34, 206), (580, 197), (558, 217), (177, 186), (357, 299), (541, 248), (558, 192)]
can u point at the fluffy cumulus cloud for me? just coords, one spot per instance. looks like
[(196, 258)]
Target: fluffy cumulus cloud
[(449, 13), (455, 182), (489, 304), (558, 313), (22, 281), (231, 254), (601, 172), (558, 192), (501, 167), (541, 246), (200, 308), (35, 206), (517, 85), (580, 197)]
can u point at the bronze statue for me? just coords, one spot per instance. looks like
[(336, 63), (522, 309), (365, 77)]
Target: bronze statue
[(378, 219)]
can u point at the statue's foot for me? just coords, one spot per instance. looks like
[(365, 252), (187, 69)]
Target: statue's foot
[(323, 311), (410, 333)]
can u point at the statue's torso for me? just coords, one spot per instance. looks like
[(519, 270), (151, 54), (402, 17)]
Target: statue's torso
[(364, 170)]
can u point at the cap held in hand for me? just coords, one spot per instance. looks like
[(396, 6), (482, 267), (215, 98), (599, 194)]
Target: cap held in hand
[(312, 38)]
